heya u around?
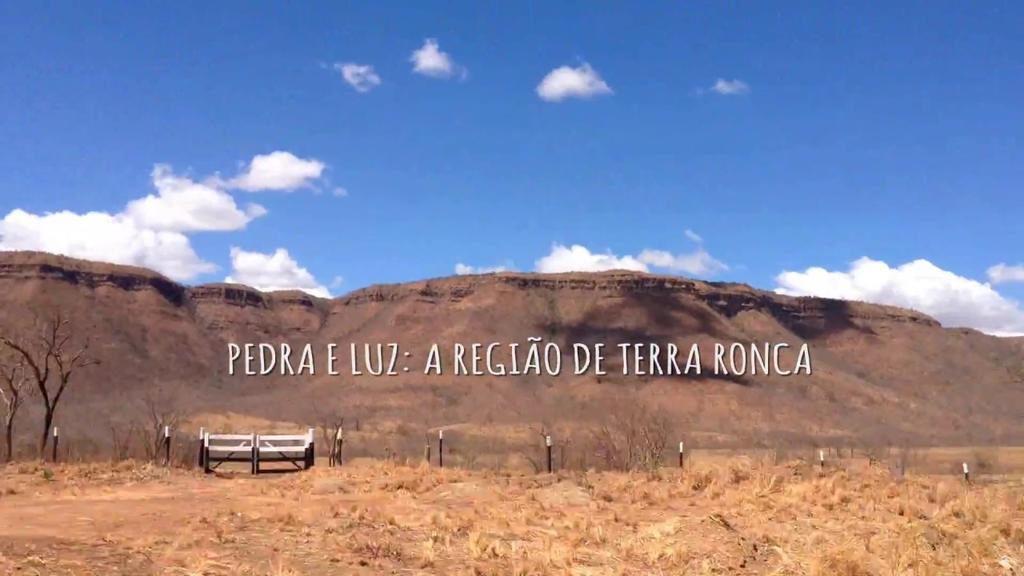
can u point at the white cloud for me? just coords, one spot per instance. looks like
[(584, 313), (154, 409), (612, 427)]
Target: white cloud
[(115, 238), (274, 271), (429, 60), (463, 269), (278, 170), (577, 258), (952, 299), (567, 82), (734, 87), (1001, 273), (149, 232), (152, 231), (361, 77), (696, 263), (182, 205), (340, 192)]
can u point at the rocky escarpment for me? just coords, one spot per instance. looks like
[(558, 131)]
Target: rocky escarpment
[(29, 266), (806, 316), (728, 299), (879, 371)]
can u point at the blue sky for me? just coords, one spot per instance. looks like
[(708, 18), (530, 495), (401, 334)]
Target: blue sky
[(837, 133)]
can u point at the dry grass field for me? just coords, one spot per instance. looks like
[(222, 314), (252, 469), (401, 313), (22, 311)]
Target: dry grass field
[(721, 515)]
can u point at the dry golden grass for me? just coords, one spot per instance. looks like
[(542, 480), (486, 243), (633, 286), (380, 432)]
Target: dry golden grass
[(725, 516)]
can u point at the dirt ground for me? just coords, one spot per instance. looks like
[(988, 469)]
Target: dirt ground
[(736, 516)]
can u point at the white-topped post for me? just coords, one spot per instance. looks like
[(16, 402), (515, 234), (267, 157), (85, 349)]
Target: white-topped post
[(440, 448)]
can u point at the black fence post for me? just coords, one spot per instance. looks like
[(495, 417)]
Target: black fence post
[(547, 445), (167, 446), (440, 448), (255, 454), (56, 440), (681, 447)]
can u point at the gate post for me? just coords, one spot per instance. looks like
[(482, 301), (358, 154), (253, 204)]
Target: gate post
[(202, 432), (206, 452)]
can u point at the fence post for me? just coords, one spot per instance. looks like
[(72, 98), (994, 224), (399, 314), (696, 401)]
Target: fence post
[(967, 473), (821, 459), (547, 445), (56, 440), (167, 446), (440, 448), (312, 448), (255, 454), (202, 432), (680, 453), (339, 446), (206, 452)]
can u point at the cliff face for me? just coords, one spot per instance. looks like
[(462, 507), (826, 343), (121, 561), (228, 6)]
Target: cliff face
[(879, 371)]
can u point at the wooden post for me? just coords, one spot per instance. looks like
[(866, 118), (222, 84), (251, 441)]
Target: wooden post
[(202, 432), (967, 473), (312, 448), (167, 446), (680, 453), (56, 440), (547, 444), (206, 452), (255, 454), (821, 459), (440, 448), (339, 446), (426, 452)]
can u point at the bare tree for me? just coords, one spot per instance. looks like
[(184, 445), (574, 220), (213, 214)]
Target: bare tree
[(51, 359), (13, 392)]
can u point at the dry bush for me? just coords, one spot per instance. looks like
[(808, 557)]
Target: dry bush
[(634, 438)]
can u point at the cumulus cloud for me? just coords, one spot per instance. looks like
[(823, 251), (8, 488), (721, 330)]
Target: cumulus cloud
[(115, 238), (733, 87), (183, 205), (1002, 273), (273, 271), (567, 82), (150, 231), (279, 171), (361, 77), (463, 269), (952, 299), (578, 258), (696, 263), (430, 60)]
